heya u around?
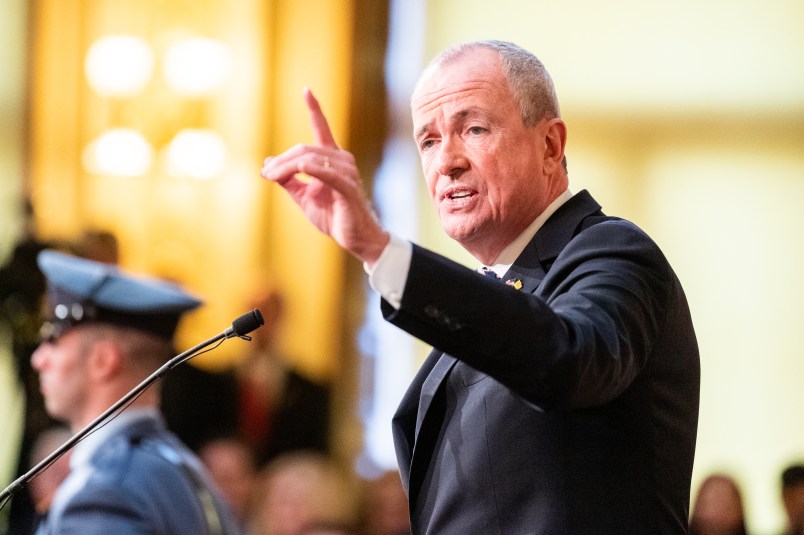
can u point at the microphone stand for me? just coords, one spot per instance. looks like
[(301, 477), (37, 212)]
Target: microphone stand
[(240, 328)]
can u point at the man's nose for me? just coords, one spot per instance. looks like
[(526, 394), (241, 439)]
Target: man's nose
[(452, 159), (38, 357)]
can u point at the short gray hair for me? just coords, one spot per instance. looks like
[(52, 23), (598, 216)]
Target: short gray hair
[(527, 77)]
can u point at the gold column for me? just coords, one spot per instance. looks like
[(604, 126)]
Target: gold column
[(221, 237)]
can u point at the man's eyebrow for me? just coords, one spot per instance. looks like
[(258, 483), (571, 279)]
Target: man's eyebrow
[(421, 131), (456, 117)]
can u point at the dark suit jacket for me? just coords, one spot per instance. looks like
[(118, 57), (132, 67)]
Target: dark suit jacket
[(200, 406), (142, 480), (301, 419), (569, 406)]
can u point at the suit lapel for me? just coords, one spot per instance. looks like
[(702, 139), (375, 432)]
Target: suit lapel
[(426, 431), (527, 269), (539, 254), (430, 386), (405, 426)]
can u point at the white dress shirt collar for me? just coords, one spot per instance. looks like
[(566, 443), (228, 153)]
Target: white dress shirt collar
[(515, 248)]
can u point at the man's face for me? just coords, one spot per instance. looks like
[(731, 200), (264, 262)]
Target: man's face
[(483, 166), (63, 380)]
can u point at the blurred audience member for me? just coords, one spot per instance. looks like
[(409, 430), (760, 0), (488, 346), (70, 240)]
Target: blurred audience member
[(231, 464), (98, 245), (386, 506), (279, 410), (301, 490), (22, 287), (718, 508), (43, 487), (793, 498), (199, 405)]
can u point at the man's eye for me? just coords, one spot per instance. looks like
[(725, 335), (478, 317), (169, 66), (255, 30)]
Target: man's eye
[(476, 130), (50, 333), (426, 144)]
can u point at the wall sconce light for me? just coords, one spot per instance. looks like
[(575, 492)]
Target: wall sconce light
[(121, 68), (119, 65), (119, 152), (196, 153), (196, 67)]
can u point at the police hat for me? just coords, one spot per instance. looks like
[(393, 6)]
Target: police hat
[(83, 291)]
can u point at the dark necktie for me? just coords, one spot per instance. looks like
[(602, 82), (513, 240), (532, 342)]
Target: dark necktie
[(488, 272)]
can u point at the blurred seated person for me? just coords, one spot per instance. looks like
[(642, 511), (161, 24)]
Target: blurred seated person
[(199, 405), (302, 490), (385, 506), (98, 245), (793, 498), (231, 464), (22, 286), (718, 508), (279, 409), (43, 487)]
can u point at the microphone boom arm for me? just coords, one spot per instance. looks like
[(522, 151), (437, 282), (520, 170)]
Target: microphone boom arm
[(240, 328)]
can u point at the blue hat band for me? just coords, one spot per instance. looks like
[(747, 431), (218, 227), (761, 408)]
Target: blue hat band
[(67, 311)]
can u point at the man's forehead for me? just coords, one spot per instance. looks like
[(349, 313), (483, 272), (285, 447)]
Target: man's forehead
[(455, 104), (470, 94), (459, 96), (473, 67)]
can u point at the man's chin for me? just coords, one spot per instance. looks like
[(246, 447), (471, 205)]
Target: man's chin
[(459, 229), (472, 242), (463, 239), (54, 412)]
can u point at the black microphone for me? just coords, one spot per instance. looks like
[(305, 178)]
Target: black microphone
[(240, 328), (243, 325)]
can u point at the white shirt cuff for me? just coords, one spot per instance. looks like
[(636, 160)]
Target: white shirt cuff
[(391, 271)]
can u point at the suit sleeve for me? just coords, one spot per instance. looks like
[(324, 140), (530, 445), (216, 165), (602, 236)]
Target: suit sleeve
[(579, 340)]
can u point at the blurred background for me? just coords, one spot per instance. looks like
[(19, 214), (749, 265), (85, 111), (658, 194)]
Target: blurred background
[(148, 121)]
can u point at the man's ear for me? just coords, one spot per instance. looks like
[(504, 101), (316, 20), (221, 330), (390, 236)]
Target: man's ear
[(555, 139), (105, 359)]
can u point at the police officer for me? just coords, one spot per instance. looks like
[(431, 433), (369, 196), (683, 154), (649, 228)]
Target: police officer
[(107, 331)]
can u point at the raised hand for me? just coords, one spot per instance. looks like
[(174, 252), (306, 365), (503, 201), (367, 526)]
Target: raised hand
[(331, 195)]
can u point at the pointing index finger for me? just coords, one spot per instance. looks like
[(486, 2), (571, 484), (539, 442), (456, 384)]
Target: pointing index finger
[(321, 132)]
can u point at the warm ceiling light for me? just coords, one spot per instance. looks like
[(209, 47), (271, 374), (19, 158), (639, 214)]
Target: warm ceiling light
[(119, 65), (196, 66), (196, 153), (118, 152)]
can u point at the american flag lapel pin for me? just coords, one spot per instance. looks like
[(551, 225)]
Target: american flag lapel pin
[(516, 283)]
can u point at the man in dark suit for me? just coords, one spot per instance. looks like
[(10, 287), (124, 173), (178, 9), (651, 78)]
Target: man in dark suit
[(562, 393), (279, 409), (107, 331)]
